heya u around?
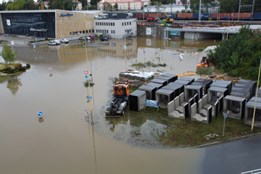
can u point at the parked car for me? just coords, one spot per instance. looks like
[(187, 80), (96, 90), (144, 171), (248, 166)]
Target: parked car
[(66, 41), (54, 42), (104, 38), (87, 38)]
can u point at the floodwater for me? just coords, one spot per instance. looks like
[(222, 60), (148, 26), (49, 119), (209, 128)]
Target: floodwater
[(73, 137)]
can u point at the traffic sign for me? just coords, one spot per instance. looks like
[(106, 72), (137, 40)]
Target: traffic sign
[(225, 115)]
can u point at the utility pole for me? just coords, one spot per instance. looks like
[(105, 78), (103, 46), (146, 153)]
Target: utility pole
[(199, 11), (253, 6), (239, 6), (254, 112)]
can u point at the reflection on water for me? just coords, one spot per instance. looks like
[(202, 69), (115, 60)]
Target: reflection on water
[(41, 119), (75, 136), (13, 85), (13, 82), (140, 128)]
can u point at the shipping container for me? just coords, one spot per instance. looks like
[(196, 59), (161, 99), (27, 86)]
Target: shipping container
[(221, 16), (185, 16), (257, 16), (204, 16), (241, 16)]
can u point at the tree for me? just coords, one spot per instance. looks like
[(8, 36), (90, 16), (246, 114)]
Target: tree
[(107, 6), (29, 5), (61, 4), (13, 85), (257, 6), (3, 6), (21, 5), (228, 6), (194, 4), (240, 55), (16, 5), (115, 7), (8, 54), (84, 3)]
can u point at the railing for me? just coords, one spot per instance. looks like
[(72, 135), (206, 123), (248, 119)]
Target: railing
[(205, 30), (227, 30)]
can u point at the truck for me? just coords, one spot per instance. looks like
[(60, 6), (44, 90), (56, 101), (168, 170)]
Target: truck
[(119, 101)]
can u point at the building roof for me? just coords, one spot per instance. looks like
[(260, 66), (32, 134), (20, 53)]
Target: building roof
[(115, 15)]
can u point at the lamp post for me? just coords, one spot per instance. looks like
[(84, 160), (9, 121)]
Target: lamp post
[(199, 13), (254, 112), (239, 6), (253, 6)]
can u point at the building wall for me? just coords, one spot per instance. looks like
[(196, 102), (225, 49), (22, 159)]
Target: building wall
[(125, 4), (32, 23), (1, 25), (57, 23), (117, 28), (119, 48), (69, 23)]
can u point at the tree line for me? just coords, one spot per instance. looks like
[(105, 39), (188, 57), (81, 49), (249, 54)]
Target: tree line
[(52, 4), (225, 5)]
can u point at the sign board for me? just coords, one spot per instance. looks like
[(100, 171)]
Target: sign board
[(225, 115), (174, 33), (8, 22), (148, 42), (152, 103), (148, 31)]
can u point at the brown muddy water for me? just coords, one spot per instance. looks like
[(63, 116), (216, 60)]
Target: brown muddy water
[(74, 137)]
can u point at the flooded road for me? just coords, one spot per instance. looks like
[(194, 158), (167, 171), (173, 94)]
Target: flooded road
[(74, 136)]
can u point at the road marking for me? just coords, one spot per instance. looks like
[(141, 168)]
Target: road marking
[(255, 171)]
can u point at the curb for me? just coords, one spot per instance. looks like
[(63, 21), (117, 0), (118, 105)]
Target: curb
[(229, 140)]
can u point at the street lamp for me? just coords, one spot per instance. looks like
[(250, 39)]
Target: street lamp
[(199, 13), (254, 112), (239, 6)]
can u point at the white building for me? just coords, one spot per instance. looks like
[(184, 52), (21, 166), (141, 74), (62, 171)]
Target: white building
[(116, 25), (125, 4)]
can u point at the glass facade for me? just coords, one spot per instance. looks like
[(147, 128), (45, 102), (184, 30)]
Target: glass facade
[(30, 24)]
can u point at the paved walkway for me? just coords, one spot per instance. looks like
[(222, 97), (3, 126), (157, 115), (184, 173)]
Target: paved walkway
[(25, 41)]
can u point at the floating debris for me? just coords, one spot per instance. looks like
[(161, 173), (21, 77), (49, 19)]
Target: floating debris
[(211, 136)]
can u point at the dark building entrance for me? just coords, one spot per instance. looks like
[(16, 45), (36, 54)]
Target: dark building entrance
[(38, 24)]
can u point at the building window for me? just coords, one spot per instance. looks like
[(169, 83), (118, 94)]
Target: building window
[(112, 31)]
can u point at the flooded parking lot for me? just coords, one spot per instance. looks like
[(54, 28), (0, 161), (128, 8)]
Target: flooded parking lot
[(74, 136)]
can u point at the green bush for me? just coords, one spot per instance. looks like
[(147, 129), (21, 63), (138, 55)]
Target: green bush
[(240, 55), (205, 70)]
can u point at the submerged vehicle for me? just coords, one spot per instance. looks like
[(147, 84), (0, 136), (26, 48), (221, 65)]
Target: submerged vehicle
[(64, 40), (204, 63), (54, 42), (119, 102)]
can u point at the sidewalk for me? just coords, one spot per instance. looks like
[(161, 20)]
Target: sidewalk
[(26, 41)]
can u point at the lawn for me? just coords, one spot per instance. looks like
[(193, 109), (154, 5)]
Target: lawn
[(187, 133)]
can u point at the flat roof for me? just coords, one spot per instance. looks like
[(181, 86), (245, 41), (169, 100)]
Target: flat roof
[(234, 98), (194, 87), (164, 91), (217, 89)]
